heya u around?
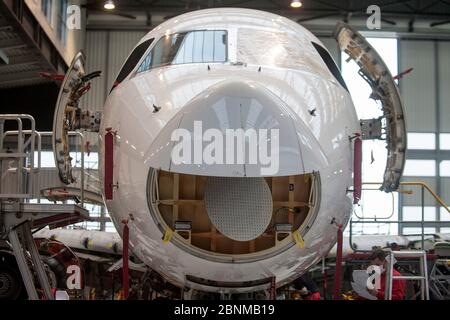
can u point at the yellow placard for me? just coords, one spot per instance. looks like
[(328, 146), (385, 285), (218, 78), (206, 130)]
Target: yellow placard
[(168, 235), (298, 239)]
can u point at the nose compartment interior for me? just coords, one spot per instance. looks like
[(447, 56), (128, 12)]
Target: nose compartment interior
[(240, 209), (181, 206)]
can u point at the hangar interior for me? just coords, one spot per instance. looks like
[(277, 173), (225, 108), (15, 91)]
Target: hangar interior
[(37, 47)]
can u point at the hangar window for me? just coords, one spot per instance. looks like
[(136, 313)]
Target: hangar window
[(62, 22), (444, 168), (330, 64), (444, 141), (445, 216), (418, 231), (415, 213), (187, 47), (422, 168), (421, 141), (46, 7), (132, 61)]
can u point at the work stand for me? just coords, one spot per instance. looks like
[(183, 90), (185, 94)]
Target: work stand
[(16, 222), (19, 185)]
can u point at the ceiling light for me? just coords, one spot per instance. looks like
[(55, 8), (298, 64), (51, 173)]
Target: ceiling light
[(109, 5), (296, 4)]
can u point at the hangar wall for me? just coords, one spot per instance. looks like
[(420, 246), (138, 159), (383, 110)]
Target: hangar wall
[(426, 97), (107, 51), (420, 101)]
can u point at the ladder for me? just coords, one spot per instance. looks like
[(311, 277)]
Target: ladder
[(423, 277)]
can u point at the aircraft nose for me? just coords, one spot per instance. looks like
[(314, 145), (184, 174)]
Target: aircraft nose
[(236, 129)]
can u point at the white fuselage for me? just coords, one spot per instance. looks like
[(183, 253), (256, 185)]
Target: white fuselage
[(268, 57)]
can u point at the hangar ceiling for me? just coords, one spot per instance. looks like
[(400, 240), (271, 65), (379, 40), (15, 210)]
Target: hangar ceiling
[(436, 11), (25, 50), (400, 7)]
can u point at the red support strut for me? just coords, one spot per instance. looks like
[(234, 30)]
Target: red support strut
[(338, 270), (402, 74), (52, 76), (273, 288), (125, 269), (357, 170), (109, 165)]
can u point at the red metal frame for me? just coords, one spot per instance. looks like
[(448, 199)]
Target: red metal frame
[(60, 220)]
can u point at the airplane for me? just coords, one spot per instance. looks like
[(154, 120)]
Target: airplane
[(213, 225)]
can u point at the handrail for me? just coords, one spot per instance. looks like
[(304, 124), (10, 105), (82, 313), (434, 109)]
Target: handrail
[(416, 183), (23, 191), (39, 136), (39, 151), (421, 184), (424, 185), (39, 143)]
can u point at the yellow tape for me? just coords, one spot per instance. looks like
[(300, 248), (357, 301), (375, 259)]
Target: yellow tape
[(298, 239), (167, 235)]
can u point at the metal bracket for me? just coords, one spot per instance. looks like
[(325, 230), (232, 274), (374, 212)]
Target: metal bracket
[(89, 121), (371, 129)]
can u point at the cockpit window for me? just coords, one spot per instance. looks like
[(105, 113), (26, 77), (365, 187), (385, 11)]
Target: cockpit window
[(269, 48), (187, 47), (132, 61), (330, 64)]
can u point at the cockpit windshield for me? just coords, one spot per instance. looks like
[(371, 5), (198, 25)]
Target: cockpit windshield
[(274, 49), (206, 46)]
